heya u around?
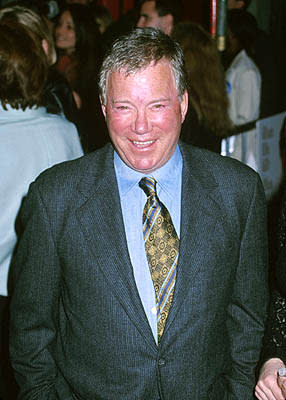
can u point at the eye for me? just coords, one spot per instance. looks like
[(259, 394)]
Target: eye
[(158, 107), (122, 108)]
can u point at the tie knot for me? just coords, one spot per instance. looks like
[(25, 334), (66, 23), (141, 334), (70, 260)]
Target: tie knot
[(148, 184)]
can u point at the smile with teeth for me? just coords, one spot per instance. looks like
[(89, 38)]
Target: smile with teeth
[(143, 143)]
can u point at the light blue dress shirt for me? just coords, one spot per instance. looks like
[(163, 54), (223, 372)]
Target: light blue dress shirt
[(133, 199)]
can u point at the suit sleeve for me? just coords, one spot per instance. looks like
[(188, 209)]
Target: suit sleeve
[(247, 309), (36, 290)]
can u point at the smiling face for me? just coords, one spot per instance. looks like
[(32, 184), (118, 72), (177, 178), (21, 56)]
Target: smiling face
[(65, 33), (144, 116)]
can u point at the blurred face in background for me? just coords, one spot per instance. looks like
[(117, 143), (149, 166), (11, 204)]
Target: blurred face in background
[(149, 18), (235, 4), (65, 33)]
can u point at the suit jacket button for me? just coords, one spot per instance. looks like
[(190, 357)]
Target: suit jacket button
[(161, 362)]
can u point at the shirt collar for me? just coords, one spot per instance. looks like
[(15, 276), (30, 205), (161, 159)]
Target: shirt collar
[(165, 176)]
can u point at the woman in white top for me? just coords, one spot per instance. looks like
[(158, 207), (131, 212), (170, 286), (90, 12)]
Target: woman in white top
[(31, 140)]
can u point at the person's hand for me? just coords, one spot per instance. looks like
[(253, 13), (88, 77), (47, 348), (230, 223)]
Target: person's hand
[(269, 385)]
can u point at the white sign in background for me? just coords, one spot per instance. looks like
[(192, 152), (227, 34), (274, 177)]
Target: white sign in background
[(269, 159), (259, 149)]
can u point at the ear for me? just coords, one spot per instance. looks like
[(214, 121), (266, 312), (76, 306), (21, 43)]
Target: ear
[(184, 105), (103, 106), (45, 46), (167, 23)]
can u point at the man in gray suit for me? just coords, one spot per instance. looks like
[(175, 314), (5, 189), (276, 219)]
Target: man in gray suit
[(87, 316)]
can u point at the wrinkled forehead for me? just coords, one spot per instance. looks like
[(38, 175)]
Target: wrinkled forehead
[(130, 69), (152, 81)]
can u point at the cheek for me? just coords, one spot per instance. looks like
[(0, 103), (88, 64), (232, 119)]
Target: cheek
[(167, 121), (118, 124), (57, 33), (70, 37)]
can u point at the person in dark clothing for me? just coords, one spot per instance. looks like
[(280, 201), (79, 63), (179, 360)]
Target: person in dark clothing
[(78, 43), (59, 99), (273, 358), (124, 24)]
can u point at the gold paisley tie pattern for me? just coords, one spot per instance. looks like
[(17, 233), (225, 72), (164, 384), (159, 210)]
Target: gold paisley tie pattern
[(162, 249)]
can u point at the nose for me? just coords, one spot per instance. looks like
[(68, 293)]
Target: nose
[(141, 123)]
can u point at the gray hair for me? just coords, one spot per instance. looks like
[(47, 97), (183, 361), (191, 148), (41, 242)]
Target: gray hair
[(136, 50)]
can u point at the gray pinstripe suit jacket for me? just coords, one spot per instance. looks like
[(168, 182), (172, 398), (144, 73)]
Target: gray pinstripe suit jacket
[(78, 328)]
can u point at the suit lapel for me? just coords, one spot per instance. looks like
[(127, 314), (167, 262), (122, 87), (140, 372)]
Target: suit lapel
[(102, 209), (199, 215)]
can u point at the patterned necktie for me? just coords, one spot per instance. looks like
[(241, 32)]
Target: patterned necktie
[(162, 248)]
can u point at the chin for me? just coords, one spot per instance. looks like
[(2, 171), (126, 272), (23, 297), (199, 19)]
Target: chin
[(144, 169)]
